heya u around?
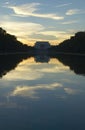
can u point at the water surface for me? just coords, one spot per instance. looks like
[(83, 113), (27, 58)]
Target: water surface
[(42, 93)]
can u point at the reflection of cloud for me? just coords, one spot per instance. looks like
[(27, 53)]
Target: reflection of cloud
[(74, 11), (32, 71), (49, 68), (8, 105), (61, 96), (30, 9), (72, 91), (56, 69), (23, 74), (24, 92), (30, 91)]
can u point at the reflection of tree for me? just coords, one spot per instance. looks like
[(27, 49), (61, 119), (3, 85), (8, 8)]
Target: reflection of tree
[(75, 62), (9, 62)]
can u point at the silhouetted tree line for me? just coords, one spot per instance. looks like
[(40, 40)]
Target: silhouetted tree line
[(9, 43), (76, 44)]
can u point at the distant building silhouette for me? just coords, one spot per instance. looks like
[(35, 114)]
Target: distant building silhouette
[(42, 45)]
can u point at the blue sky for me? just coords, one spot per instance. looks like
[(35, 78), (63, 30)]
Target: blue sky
[(49, 20)]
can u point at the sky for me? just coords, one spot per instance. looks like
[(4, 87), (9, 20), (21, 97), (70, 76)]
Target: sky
[(42, 20)]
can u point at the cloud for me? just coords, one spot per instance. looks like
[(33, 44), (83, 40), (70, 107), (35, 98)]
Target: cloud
[(6, 3), (70, 22), (60, 35), (25, 9), (21, 29), (55, 33), (31, 91), (74, 11), (30, 9), (28, 32), (62, 5), (24, 27), (43, 37)]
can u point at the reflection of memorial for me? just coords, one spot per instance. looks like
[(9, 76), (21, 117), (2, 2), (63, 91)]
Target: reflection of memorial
[(42, 58)]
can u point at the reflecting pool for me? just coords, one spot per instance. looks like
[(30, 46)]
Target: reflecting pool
[(42, 92)]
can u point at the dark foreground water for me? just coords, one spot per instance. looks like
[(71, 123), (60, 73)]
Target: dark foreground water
[(41, 93)]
